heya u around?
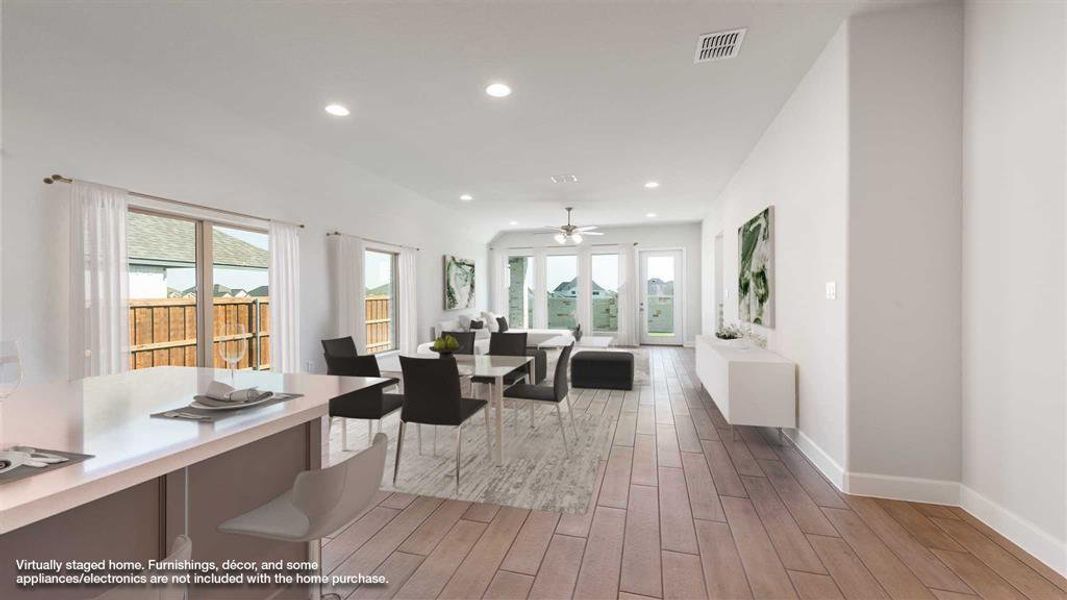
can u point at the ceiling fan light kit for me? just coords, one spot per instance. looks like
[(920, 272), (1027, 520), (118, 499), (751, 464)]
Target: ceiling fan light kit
[(572, 234)]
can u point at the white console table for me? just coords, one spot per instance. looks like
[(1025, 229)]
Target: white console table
[(750, 385)]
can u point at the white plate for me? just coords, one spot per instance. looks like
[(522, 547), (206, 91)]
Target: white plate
[(197, 404)]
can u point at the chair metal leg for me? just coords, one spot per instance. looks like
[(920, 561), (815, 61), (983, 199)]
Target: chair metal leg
[(488, 432), (459, 445), (344, 434), (399, 446), (570, 411), (434, 439), (370, 431), (418, 428), (531, 415), (562, 429)]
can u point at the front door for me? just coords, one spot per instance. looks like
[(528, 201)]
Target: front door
[(662, 296)]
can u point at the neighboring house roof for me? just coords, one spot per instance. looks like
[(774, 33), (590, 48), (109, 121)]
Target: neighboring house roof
[(570, 288), (170, 242)]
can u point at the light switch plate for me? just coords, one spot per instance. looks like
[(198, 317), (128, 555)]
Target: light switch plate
[(831, 290)]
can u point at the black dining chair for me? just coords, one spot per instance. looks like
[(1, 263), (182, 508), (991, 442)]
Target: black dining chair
[(432, 396), (344, 346), (506, 344), (554, 393), (371, 404), (465, 339)]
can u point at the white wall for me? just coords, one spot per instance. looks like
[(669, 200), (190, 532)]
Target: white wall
[(1014, 396), (800, 167), (905, 196), (72, 118), (647, 237)]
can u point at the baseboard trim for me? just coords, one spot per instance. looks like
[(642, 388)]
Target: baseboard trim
[(913, 489), (1020, 531), (818, 457)]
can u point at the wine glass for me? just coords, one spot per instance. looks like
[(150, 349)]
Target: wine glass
[(233, 347), (10, 368)]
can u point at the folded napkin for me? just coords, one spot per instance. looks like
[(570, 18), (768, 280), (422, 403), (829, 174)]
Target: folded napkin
[(216, 390)]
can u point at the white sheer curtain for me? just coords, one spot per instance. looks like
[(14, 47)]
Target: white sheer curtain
[(540, 312), (407, 309), (629, 317), (346, 269), (99, 283), (285, 297), (497, 277)]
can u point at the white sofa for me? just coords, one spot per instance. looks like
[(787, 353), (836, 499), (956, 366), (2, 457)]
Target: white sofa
[(534, 337)]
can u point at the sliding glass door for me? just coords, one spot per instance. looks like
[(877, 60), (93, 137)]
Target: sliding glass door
[(198, 290)]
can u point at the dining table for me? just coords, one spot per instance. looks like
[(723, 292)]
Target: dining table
[(489, 366)]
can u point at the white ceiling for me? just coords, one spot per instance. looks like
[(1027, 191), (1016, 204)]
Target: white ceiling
[(608, 92)]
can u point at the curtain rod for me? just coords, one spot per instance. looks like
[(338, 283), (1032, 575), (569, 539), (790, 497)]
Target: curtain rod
[(55, 177), (366, 239)]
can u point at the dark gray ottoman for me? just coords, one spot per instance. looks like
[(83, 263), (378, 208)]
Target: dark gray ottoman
[(601, 369)]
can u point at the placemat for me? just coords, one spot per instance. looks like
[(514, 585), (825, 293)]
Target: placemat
[(200, 415), (22, 472)]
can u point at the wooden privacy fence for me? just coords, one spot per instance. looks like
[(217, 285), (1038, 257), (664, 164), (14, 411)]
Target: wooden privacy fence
[(379, 324), (163, 331)]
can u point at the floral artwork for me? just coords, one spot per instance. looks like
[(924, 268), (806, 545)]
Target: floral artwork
[(459, 282), (755, 269)]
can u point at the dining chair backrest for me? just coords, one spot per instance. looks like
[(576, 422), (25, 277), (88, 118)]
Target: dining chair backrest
[(353, 366), (560, 386), (431, 391), (344, 346), (507, 343), (333, 496), (465, 339)]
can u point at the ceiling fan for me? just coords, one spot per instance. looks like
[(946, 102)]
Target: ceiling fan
[(572, 234)]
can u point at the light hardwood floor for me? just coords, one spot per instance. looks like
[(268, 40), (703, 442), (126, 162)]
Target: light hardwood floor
[(686, 508)]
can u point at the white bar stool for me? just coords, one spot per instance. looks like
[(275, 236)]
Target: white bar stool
[(319, 503)]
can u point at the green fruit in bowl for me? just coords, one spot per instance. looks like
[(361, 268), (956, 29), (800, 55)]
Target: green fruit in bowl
[(446, 343)]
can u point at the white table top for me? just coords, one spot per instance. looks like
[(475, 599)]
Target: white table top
[(108, 417), (478, 365)]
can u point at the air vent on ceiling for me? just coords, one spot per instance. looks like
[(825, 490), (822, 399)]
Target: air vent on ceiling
[(719, 45), (564, 178)]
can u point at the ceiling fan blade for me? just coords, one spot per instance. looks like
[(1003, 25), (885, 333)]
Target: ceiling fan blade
[(592, 233), (554, 227), (587, 227)]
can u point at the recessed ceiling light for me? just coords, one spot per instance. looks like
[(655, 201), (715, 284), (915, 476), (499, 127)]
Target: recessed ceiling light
[(498, 90), (338, 110), (651, 184), (650, 215), (513, 223), (466, 197)]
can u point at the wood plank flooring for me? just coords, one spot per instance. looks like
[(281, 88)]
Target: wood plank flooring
[(685, 507)]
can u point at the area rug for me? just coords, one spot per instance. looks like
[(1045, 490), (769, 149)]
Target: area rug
[(538, 473)]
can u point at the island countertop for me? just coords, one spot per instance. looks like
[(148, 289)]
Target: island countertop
[(109, 417)]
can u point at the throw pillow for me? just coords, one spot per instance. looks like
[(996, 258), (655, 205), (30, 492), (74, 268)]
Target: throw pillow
[(502, 324), (477, 324)]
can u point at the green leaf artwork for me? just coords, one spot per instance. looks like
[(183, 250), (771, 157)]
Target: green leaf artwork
[(459, 282), (755, 269)]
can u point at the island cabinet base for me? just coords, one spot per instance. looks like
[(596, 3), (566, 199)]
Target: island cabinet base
[(750, 385), (138, 523)]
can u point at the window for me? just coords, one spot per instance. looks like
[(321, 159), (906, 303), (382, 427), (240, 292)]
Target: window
[(519, 282), (561, 278), (240, 294), (379, 275), (170, 319), (162, 286), (605, 300)]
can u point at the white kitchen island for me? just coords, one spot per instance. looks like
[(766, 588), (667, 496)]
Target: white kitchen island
[(130, 500)]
